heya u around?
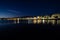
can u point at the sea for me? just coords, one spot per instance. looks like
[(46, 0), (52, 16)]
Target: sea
[(10, 27)]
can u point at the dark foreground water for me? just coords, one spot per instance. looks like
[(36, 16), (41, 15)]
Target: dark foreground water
[(11, 29)]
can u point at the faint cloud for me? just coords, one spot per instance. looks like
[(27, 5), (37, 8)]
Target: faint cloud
[(14, 11)]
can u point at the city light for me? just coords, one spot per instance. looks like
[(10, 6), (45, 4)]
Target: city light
[(38, 16), (36, 19), (43, 20)]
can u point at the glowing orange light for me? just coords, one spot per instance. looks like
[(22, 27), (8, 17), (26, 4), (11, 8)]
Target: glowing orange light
[(34, 21)]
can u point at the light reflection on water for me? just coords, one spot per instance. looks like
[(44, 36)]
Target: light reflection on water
[(30, 21), (47, 21), (44, 21)]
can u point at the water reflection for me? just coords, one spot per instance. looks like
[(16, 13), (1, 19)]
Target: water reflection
[(47, 21), (43, 21), (30, 21), (38, 21), (34, 21), (58, 22)]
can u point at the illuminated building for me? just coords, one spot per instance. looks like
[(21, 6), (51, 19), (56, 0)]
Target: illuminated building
[(35, 18), (38, 17), (55, 16)]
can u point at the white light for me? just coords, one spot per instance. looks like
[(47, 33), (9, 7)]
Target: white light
[(43, 21), (38, 17), (34, 17)]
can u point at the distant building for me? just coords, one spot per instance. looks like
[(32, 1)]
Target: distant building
[(57, 15)]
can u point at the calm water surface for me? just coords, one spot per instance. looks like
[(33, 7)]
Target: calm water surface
[(29, 25), (14, 27)]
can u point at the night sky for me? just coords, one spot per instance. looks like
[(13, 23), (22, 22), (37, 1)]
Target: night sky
[(14, 8)]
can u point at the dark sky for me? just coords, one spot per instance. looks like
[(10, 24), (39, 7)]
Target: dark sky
[(13, 8)]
